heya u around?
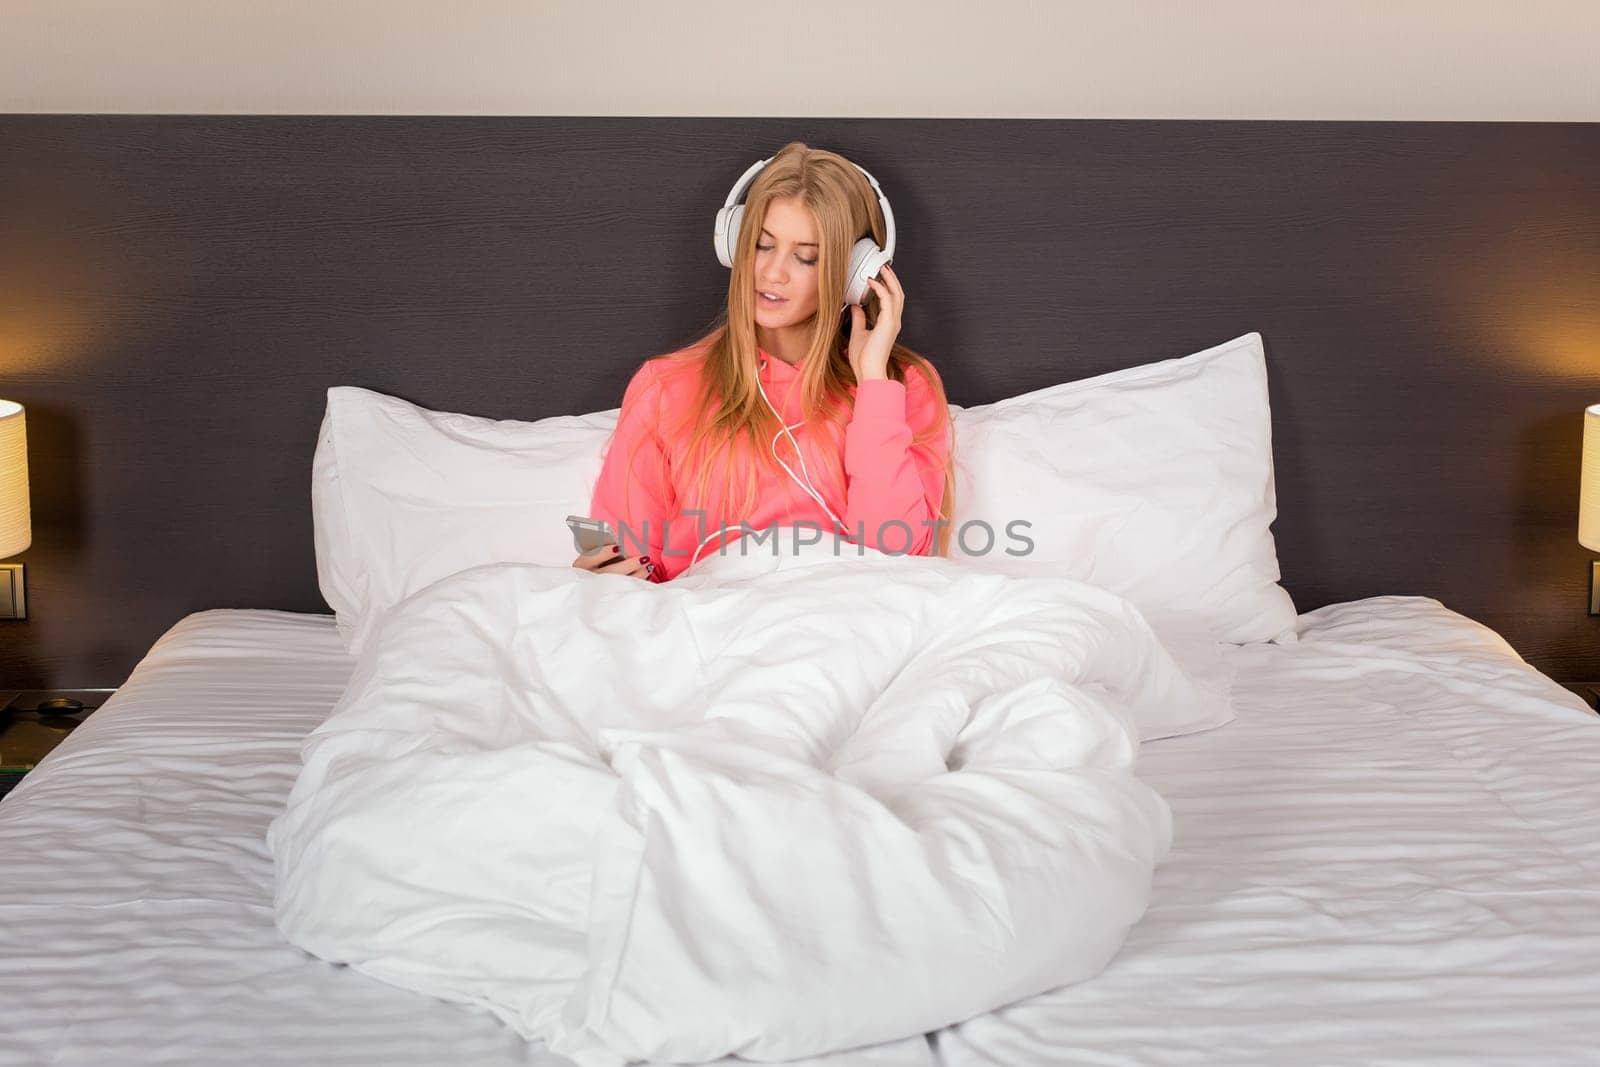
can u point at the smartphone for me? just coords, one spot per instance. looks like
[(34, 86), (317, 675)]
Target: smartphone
[(592, 535)]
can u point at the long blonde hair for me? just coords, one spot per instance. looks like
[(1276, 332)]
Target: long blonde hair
[(734, 426)]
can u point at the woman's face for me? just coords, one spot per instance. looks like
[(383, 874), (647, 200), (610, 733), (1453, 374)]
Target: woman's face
[(786, 265)]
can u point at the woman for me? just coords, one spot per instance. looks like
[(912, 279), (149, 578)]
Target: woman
[(699, 455)]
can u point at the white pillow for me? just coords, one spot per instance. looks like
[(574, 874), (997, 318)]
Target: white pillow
[(402, 496), (1154, 482)]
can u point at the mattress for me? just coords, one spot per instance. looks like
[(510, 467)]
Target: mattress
[(1390, 856)]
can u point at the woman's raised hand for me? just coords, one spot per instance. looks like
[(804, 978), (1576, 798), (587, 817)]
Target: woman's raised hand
[(869, 349), (637, 566)]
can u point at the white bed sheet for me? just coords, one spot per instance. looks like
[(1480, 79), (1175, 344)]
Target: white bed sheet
[(1391, 856)]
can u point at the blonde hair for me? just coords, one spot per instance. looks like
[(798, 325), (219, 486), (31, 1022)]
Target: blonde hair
[(731, 432)]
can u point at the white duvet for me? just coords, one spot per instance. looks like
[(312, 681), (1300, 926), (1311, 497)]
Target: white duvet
[(780, 806)]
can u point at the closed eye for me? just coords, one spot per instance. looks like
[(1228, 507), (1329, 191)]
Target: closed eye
[(768, 248)]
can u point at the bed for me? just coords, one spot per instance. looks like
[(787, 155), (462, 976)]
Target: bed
[(1389, 856)]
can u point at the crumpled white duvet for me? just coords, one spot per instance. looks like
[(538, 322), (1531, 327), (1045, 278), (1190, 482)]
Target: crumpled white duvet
[(779, 806)]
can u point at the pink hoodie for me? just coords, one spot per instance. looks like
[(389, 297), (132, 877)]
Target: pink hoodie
[(887, 478)]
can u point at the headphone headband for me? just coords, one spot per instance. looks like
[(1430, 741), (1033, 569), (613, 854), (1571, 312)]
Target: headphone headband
[(740, 187)]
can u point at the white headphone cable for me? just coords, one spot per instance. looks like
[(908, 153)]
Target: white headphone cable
[(805, 485)]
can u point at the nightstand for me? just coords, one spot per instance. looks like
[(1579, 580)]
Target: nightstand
[(30, 727), (1589, 691)]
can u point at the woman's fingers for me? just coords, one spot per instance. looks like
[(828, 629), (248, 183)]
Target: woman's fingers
[(892, 280), (590, 561), (888, 298), (630, 565), (640, 566)]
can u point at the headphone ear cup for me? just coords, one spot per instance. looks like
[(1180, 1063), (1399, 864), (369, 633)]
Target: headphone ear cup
[(866, 259), (727, 238)]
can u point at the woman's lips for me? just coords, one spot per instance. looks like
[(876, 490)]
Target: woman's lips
[(774, 303)]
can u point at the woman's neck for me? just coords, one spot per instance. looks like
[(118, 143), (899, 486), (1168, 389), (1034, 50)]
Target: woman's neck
[(788, 344)]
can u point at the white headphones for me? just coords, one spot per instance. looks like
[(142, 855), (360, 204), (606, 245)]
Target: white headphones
[(866, 258)]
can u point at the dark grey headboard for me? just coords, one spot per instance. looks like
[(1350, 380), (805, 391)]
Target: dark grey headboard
[(177, 292)]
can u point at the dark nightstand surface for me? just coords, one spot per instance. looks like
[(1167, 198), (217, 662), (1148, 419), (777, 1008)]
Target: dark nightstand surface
[(1589, 691), (27, 734)]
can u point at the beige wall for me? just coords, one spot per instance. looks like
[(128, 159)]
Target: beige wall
[(1340, 59)]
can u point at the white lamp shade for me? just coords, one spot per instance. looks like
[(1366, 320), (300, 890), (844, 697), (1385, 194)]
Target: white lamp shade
[(16, 528), (1589, 494)]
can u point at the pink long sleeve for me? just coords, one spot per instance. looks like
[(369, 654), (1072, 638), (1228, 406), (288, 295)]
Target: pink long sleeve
[(889, 479), (636, 501)]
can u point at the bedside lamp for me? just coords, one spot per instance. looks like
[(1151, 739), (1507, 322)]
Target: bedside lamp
[(1589, 500), (16, 527)]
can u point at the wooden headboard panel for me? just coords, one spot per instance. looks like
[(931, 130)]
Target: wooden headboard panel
[(177, 292)]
